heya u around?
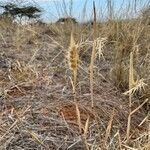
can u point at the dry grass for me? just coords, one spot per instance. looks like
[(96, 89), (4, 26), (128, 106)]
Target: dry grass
[(41, 109)]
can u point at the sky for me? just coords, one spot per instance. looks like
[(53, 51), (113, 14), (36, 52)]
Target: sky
[(82, 9)]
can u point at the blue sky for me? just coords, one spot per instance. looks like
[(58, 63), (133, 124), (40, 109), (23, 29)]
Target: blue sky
[(54, 9)]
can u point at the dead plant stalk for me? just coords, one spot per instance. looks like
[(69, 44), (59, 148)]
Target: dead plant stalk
[(93, 55), (131, 82), (73, 63)]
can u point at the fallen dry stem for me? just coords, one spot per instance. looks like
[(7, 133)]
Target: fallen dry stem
[(136, 109)]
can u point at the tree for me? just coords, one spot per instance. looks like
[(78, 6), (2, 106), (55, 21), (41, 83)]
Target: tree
[(67, 20), (30, 12), (14, 11)]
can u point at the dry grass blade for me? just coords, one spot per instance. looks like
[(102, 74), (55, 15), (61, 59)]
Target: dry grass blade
[(78, 118), (138, 86), (139, 107), (36, 138), (149, 134), (18, 120), (109, 128), (83, 137), (1, 35), (147, 146), (9, 129), (100, 43), (86, 126), (129, 148), (119, 140), (145, 119)]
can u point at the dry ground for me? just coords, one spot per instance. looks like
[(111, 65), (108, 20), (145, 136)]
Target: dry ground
[(36, 102)]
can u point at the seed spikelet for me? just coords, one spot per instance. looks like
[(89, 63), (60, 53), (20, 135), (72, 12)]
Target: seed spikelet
[(73, 54)]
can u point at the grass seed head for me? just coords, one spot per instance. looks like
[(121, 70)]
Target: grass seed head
[(73, 54)]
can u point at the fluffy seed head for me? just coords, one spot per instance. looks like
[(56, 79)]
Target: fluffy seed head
[(73, 54)]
